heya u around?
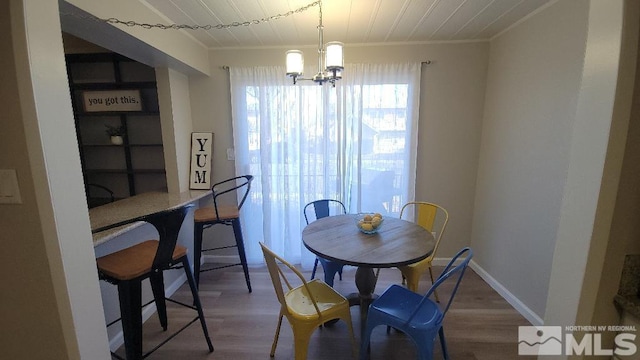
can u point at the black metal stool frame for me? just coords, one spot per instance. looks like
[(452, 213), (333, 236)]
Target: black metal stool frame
[(199, 227), (168, 224)]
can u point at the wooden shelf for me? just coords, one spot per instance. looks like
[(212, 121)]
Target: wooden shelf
[(116, 167), (117, 113), (123, 145), (114, 86), (125, 171)]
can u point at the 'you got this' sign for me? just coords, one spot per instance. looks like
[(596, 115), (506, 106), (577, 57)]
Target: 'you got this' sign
[(112, 100), (201, 145)]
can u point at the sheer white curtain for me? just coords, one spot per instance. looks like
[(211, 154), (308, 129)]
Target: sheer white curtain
[(355, 143)]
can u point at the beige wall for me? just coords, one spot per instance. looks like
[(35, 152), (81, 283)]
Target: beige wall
[(532, 88), (625, 227), (597, 145), (452, 98), (51, 304), (26, 258), (176, 49), (175, 116), (550, 158)]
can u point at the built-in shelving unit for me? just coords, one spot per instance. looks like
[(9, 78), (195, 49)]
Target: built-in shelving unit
[(137, 165)]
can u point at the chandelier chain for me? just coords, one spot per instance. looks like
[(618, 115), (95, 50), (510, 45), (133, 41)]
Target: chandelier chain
[(132, 23)]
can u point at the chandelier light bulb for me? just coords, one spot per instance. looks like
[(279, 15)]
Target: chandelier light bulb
[(295, 63), (334, 56)]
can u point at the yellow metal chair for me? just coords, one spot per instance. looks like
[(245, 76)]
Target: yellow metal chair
[(306, 306), (425, 215)]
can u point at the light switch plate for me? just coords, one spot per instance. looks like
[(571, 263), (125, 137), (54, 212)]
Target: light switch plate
[(9, 189), (231, 154)]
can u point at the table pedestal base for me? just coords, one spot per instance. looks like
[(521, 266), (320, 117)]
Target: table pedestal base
[(366, 284)]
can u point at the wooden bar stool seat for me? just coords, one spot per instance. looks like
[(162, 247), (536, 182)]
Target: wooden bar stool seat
[(208, 214), (135, 261), (127, 269), (206, 217)]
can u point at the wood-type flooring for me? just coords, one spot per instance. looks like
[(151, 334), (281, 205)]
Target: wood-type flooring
[(480, 325)]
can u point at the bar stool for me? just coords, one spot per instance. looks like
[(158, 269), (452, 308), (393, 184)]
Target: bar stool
[(128, 267), (206, 217)]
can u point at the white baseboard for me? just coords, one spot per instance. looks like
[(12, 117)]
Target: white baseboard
[(532, 317), (118, 339), (499, 288)]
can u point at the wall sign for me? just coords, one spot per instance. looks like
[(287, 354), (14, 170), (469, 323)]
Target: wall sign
[(112, 100), (201, 145)]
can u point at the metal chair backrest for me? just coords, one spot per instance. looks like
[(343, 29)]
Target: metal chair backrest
[(93, 200), (452, 273), (426, 214), (168, 224), (323, 208), (278, 276), (229, 185)]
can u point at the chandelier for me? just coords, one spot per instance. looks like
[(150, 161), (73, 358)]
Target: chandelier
[(330, 60)]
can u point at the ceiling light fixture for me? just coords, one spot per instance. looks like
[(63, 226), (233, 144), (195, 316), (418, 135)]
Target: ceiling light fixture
[(330, 60)]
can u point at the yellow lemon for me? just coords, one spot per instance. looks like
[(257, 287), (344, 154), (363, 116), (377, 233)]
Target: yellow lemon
[(367, 218), (377, 215), (366, 227), (376, 222)]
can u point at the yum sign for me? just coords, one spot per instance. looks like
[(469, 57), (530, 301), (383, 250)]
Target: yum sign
[(201, 161)]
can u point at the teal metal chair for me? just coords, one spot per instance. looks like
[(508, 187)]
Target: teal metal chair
[(416, 315)]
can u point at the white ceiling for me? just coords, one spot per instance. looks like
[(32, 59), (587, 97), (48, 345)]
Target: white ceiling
[(349, 21)]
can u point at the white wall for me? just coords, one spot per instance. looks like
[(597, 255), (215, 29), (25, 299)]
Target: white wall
[(452, 98), (534, 76)]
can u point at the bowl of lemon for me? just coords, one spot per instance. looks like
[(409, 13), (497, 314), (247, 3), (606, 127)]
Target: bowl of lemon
[(369, 223)]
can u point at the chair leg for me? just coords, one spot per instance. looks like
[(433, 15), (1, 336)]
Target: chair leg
[(443, 344), (330, 270), (196, 300), (364, 343), (130, 295), (413, 280), (435, 292), (237, 230), (346, 317), (301, 337), (157, 286), (275, 337), (198, 228), (315, 267)]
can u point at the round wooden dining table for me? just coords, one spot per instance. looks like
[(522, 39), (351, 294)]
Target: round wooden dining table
[(397, 243)]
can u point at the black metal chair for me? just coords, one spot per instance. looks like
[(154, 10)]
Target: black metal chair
[(323, 208), (107, 195), (206, 217), (149, 259)]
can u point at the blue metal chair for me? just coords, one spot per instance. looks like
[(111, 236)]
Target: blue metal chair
[(415, 315), (322, 208)]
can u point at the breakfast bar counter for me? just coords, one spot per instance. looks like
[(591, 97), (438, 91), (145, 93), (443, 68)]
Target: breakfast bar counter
[(105, 216)]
